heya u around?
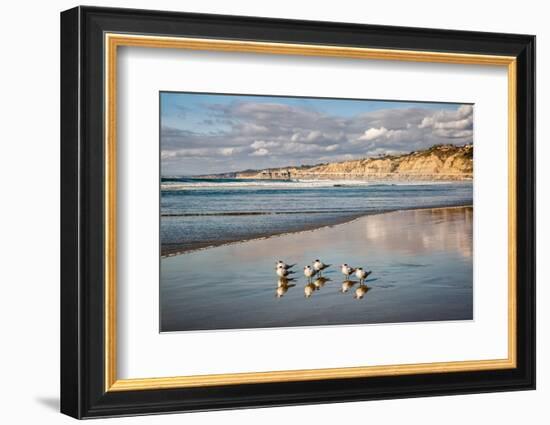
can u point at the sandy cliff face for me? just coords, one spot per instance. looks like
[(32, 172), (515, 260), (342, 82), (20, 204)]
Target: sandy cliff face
[(444, 162)]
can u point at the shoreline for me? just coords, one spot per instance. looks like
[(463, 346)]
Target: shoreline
[(171, 182), (344, 220), (379, 177)]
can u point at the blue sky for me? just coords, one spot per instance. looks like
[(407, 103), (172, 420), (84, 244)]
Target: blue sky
[(210, 133)]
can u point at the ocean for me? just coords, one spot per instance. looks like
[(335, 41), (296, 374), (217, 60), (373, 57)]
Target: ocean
[(199, 213)]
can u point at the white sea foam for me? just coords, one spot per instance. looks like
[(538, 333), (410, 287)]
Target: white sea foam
[(292, 184)]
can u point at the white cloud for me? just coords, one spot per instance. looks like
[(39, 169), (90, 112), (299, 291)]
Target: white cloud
[(382, 133), (228, 151), (453, 133), (465, 110), (258, 144), (167, 154), (373, 133), (301, 148), (260, 152), (316, 136), (195, 153), (253, 129), (457, 125), (460, 119)]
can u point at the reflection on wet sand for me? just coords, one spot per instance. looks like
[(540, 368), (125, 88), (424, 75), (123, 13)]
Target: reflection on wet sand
[(316, 285), (283, 285), (283, 281), (443, 229), (360, 291), (407, 232), (421, 260), (347, 285), (320, 282), (309, 289)]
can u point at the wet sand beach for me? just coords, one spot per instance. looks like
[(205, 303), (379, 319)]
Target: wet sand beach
[(198, 215), (421, 262)]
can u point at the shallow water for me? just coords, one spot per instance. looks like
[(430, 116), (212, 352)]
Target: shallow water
[(421, 262), (197, 213)]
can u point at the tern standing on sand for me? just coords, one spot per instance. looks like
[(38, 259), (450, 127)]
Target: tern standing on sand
[(309, 272), (361, 274), (284, 265), (319, 266), (347, 270), (282, 272)]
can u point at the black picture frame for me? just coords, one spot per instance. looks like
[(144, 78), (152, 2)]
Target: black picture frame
[(83, 392)]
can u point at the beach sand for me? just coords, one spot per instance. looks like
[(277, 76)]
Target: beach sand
[(421, 262)]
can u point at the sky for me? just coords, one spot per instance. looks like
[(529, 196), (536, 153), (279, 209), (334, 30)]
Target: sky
[(213, 133)]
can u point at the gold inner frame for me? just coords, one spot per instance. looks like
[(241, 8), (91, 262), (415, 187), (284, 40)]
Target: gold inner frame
[(113, 41)]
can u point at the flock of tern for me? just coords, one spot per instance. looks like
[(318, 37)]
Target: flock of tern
[(315, 280)]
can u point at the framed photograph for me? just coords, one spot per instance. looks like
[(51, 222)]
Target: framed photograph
[(261, 212)]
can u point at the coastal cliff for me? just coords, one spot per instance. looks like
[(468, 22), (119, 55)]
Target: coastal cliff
[(440, 162)]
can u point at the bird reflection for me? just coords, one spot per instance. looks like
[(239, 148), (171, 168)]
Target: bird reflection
[(361, 291), (320, 282), (347, 284), (284, 281), (283, 285), (309, 289)]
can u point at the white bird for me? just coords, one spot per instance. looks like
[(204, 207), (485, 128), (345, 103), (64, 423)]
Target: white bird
[(361, 274), (309, 272), (284, 265), (282, 272), (319, 266), (347, 270)]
